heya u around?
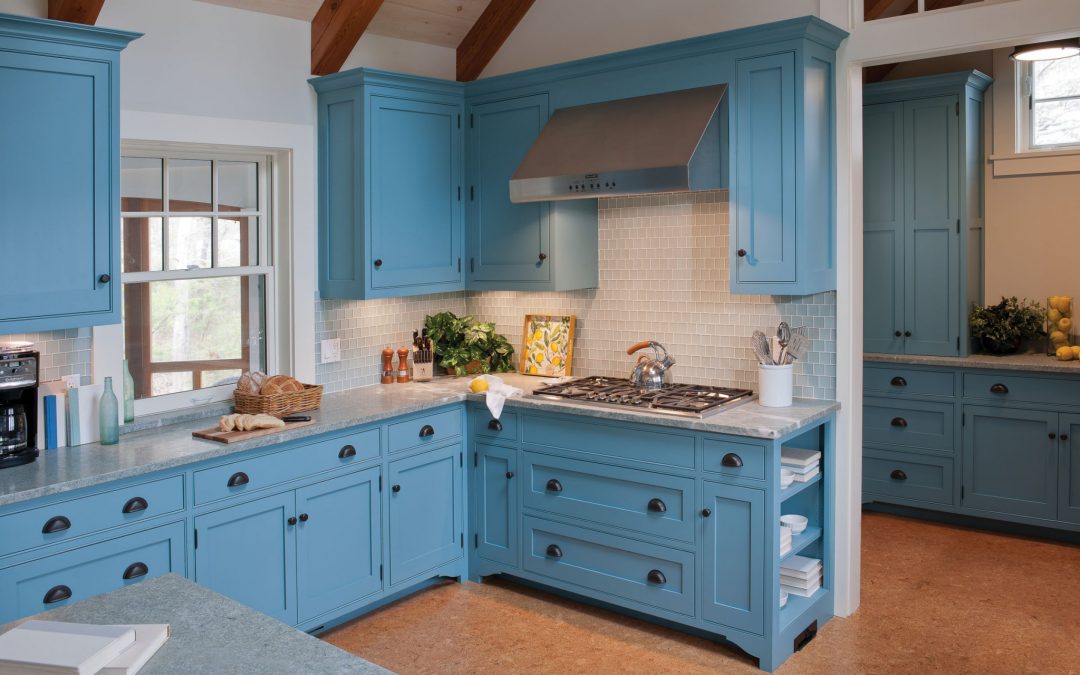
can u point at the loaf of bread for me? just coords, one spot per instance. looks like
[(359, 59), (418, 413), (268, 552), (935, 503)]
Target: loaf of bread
[(251, 382), (241, 422), (281, 384)]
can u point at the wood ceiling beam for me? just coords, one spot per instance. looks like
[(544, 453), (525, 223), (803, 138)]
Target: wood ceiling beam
[(878, 9), (487, 35), (335, 30), (872, 74), (75, 11)]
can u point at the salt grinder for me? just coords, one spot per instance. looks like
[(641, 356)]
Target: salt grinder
[(388, 366), (403, 364)]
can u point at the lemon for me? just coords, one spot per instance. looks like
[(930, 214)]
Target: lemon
[(478, 385), (1054, 316), (1057, 336), (532, 370), (1076, 351), (1064, 325), (555, 360), (1065, 354)]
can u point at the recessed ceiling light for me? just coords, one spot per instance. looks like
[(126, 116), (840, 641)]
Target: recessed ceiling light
[(1044, 51)]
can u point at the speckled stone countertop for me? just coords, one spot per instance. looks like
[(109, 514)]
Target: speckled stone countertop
[(209, 633), (172, 446), (1032, 363)]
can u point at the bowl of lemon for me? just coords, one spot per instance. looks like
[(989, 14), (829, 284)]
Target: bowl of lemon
[(1059, 324)]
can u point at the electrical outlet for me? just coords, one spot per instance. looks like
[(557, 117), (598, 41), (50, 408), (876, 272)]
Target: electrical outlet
[(330, 350)]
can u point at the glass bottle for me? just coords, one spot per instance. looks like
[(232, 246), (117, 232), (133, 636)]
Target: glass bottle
[(109, 415), (129, 395)]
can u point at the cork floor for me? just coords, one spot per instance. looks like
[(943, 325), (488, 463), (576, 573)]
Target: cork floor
[(935, 599)]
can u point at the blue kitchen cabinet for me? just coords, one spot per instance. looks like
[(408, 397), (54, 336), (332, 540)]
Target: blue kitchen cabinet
[(883, 228), (426, 512), (734, 562), (496, 485), (248, 553), (391, 170), (338, 542), (1069, 469), (59, 181)]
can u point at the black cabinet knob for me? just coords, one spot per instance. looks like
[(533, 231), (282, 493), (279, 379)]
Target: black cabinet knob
[(1052, 435), (741, 253), (304, 517), (999, 389), (395, 488), (897, 333), (291, 520), (136, 570), (554, 485), (56, 524), (378, 263), (898, 422), (509, 475), (104, 279), (898, 381), (237, 479), (897, 474), (346, 452), (657, 505), (907, 333), (705, 513), (495, 425), (56, 594), (426, 431), (731, 460), (542, 257), (656, 577), (553, 551), (134, 505)]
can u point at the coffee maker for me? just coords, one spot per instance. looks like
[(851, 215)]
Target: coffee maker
[(18, 404)]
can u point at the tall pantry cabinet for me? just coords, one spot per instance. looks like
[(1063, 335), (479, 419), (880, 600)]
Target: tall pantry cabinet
[(922, 212)]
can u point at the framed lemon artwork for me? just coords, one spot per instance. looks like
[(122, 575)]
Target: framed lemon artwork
[(547, 348)]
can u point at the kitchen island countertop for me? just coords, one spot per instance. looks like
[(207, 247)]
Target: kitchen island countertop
[(1032, 363)]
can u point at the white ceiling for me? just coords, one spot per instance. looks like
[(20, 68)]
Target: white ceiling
[(436, 22)]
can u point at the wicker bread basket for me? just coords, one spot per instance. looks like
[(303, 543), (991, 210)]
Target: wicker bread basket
[(279, 405)]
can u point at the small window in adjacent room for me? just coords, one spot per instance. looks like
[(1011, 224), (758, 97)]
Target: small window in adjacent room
[(1050, 108), (198, 274)]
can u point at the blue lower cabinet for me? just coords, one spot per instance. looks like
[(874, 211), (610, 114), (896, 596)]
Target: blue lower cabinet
[(248, 553), (907, 476), (339, 545), (734, 557), (80, 573), (426, 512), (1069, 470), (496, 485), (1011, 461)]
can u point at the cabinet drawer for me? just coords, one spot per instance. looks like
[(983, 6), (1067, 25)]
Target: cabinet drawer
[(909, 424), (483, 424), (611, 566), (899, 381), (425, 430), (83, 572), (77, 517), (261, 472), (908, 476), (996, 387), (733, 459), (639, 500), (617, 442)]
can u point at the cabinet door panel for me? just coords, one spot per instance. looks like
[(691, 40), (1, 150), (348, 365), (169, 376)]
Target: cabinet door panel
[(339, 546), (497, 517), (1069, 470), (248, 553), (1011, 461), (425, 512), (734, 589), (505, 239), (414, 175), (883, 223)]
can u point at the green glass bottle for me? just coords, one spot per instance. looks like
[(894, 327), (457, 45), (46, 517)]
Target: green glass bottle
[(129, 395), (109, 416)]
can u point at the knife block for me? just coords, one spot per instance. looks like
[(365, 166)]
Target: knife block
[(423, 371)]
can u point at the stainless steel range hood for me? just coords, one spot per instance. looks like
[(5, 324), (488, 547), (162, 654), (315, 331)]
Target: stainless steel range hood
[(669, 142)]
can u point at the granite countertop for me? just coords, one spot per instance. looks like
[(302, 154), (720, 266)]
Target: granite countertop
[(168, 447), (209, 633), (1032, 363)]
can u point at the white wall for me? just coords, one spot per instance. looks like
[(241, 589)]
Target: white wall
[(403, 56)]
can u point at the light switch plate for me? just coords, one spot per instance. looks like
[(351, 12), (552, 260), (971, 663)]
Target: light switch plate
[(330, 350)]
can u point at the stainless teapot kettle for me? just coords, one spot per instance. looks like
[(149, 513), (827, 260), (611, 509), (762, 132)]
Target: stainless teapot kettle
[(649, 372)]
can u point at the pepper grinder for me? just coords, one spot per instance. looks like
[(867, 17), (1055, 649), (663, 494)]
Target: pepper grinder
[(388, 366), (403, 364)]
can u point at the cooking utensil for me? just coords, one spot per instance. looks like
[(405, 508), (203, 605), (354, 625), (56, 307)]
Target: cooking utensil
[(797, 348), (649, 373), (760, 344), (783, 334)]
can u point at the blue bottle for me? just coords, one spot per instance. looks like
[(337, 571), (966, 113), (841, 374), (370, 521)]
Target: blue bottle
[(109, 415)]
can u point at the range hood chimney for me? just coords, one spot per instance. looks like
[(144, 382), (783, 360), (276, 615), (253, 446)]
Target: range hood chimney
[(668, 142)]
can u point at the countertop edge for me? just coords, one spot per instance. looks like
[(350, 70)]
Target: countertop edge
[(1031, 363)]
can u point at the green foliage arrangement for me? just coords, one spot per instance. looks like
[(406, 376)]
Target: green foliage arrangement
[(463, 345), (1002, 328)]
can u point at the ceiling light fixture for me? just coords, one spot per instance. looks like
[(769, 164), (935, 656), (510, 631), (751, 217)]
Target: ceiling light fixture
[(1044, 51)]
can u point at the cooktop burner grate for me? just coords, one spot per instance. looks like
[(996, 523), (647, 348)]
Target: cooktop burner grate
[(690, 400)]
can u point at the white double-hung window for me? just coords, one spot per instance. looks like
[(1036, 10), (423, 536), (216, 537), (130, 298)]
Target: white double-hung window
[(198, 274), (1050, 104)]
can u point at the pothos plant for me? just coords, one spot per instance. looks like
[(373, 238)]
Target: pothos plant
[(463, 345), (1002, 328)]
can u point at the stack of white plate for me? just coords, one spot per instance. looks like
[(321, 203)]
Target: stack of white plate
[(801, 575), (803, 464)]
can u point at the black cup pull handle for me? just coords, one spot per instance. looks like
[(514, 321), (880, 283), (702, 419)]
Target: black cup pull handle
[(553, 551), (554, 485), (495, 425), (656, 577), (897, 474), (999, 389), (56, 524), (346, 452), (657, 505), (898, 422), (237, 479), (509, 475), (134, 505), (426, 431), (136, 570), (56, 594), (898, 381), (395, 488), (731, 460)]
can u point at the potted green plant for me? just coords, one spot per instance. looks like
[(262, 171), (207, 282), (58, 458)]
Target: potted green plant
[(465, 346), (1004, 327)]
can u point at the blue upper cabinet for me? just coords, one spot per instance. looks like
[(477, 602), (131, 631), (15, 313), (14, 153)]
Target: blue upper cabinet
[(59, 183), (922, 212), (391, 173)]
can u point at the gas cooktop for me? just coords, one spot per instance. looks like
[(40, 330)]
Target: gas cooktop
[(686, 400)]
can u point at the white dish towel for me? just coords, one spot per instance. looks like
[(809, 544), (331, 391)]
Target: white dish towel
[(497, 393)]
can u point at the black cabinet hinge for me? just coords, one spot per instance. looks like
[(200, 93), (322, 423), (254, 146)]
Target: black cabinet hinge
[(472, 193), (471, 120), (472, 265), (476, 459), (961, 492), (459, 199), (459, 121), (459, 265), (957, 343), (380, 483), (461, 459), (963, 420), (380, 573), (196, 537), (958, 108), (958, 226), (462, 540), (476, 541)]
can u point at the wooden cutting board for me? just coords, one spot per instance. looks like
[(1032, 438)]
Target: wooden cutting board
[(216, 434)]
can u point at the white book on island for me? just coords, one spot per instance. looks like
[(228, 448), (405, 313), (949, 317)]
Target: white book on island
[(799, 456), (58, 647), (801, 592), (799, 469), (148, 639)]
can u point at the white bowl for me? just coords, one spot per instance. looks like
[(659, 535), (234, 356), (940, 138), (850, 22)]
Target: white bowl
[(787, 477), (796, 522), (783, 598)]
